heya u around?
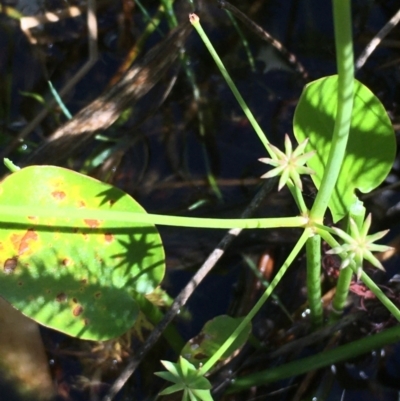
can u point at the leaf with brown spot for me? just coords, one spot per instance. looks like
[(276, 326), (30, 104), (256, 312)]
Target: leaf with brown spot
[(79, 275), (59, 195)]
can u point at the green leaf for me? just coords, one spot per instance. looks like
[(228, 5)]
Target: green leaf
[(171, 389), (214, 333), (171, 377), (33, 95), (202, 395), (173, 369), (186, 378), (74, 275), (371, 147)]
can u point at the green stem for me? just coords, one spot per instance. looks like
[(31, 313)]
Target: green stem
[(344, 56), (342, 291), (345, 65), (218, 354), (391, 307), (173, 22), (59, 101), (155, 21), (170, 13), (10, 165), (8, 213), (313, 248), (298, 197), (245, 43), (194, 19), (325, 234), (202, 127), (357, 213), (254, 268), (323, 359)]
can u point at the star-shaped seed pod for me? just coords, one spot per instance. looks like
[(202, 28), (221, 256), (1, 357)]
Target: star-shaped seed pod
[(289, 165), (358, 245)]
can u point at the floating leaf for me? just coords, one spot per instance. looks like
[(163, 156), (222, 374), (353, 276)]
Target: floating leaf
[(78, 276), (214, 333), (371, 147)]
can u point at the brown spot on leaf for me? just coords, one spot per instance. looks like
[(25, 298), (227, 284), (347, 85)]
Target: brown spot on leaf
[(84, 281), (59, 195), (61, 297), (111, 201), (20, 283), (108, 237), (81, 204), (74, 300), (33, 218), (10, 265), (77, 310), (97, 295), (16, 239), (26, 241), (92, 223), (66, 262), (86, 322)]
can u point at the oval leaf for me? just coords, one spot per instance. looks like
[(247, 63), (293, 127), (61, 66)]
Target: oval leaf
[(371, 147), (214, 333), (74, 275)]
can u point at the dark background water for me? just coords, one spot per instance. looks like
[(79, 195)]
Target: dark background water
[(164, 165)]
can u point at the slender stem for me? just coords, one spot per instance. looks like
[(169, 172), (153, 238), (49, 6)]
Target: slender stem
[(342, 291), (10, 165), (254, 268), (202, 125), (59, 101), (323, 359), (194, 19), (345, 65), (298, 197), (218, 354), (313, 248), (185, 294), (153, 21), (169, 11), (364, 277), (390, 306), (244, 40), (357, 213), (326, 234), (8, 213), (173, 22)]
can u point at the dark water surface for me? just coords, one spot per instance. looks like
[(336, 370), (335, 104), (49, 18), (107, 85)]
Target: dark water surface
[(165, 158)]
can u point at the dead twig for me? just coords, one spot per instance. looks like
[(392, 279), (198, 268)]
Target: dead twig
[(29, 22), (184, 295), (264, 35), (105, 110), (377, 40)]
